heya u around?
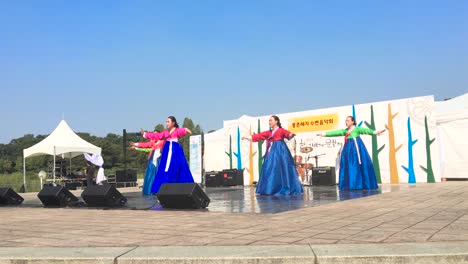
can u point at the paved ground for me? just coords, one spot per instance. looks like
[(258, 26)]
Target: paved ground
[(423, 213), (426, 223)]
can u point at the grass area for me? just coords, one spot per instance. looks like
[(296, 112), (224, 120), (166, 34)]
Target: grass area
[(33, 183), (15, 181)]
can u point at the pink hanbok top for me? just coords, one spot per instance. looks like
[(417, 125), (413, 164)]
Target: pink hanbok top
[(268, 135), (153, 144), (164, 135), (271, 136)]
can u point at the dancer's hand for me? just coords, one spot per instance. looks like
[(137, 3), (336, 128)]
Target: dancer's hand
[(319, 135), (142, 131), (291, 136), (380, 132), (245, 138), (188, 131)]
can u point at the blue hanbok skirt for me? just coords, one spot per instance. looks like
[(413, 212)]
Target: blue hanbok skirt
[(150, 172), (279, 174), (356, 169), (173, 167)]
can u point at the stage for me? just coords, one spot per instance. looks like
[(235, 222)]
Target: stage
[(237, 199), (237, 217)]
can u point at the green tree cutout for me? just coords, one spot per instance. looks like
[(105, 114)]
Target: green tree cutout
[(428, 168), (375, 147), (230, 152)]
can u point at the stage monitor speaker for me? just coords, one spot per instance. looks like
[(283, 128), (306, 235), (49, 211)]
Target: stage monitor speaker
[(72, 185), (233, 177), (130, 175), (323, 176), (120, 176), (9, 197), (213, 179), (56, 196), (182, 196), (240, 177), (103, 196)]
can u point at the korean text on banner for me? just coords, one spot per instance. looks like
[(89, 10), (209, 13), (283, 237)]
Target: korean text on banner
[(313, 123)]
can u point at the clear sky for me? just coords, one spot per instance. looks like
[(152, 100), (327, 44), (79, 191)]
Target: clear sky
[(109, 65)]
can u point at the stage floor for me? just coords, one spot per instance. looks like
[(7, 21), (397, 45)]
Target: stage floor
[(238, 199)]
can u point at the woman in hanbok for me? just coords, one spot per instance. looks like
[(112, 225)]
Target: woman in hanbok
[(154, 149), (356, 169), (173, 167), (278, 174)]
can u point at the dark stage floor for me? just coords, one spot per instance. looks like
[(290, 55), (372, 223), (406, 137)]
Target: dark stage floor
[(244, 199), (240, 199)]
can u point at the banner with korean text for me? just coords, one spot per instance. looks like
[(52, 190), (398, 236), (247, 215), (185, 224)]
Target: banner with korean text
[(196, 158), (313, 123)]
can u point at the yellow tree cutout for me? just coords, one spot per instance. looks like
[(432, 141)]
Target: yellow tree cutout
[(251, 155), (392, 150)]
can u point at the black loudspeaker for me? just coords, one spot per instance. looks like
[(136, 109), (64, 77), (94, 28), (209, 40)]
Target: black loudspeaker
[(240, 177), (131, 175), (72, 185), (126, 176), (324, 176), (182, 196), (315, 179), (9, 197), (120, 176), (213, 179), (233, 177), (103, 196), (56, 196)]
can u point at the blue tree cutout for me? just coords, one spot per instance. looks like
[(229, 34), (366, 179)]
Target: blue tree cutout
[(238, 154), (354, 116), (410, 168)]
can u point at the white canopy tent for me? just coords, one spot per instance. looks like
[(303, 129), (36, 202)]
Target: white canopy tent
[(62, 141), (452, 127)]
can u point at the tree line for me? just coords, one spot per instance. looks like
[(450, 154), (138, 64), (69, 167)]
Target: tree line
[(112, 145)]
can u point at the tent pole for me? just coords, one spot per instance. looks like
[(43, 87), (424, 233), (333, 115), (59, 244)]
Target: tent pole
[(70, 172), (24, 173), (53, 166)]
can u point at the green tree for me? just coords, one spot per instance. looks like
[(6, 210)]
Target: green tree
[(159, 127), (6, 166), (11, 154)]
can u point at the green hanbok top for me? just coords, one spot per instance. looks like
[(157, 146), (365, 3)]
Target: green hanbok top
[(354, 134), (143, 149)]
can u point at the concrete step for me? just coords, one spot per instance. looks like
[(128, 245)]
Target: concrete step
[(427, 253)]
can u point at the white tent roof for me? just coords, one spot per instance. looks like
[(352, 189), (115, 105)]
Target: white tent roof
[(62, 140), (451, 110)]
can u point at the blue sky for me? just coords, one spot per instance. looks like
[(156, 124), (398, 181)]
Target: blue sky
[(109, 65)]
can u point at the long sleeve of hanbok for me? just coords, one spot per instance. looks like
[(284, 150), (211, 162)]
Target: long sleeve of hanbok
[(261, 136), (143, 149), (180, 132), (156, 135), (285, 133), (148, 144), (336, 133), (367, 131)]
